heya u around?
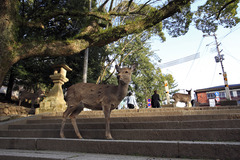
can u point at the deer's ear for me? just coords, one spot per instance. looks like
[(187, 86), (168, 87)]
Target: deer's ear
[(133, 67), (117, 68)]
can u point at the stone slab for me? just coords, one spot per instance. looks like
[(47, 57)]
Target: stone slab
[(205, 134), (235, 123), (210, 150), (145, 118), (127, 147), (163, 149), (14, 154), (18, 143)]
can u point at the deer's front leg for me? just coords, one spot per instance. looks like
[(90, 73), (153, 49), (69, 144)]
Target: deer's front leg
[(107, 111)]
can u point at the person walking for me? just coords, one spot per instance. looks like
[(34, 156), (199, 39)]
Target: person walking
[(131, 101), (155, 100)]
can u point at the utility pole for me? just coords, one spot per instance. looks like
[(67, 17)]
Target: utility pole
[(219, 58), (85, 65)]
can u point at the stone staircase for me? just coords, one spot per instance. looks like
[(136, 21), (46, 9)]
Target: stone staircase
[(197, 132)]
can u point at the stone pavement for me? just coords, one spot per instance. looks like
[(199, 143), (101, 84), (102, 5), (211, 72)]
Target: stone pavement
[(13, 154)]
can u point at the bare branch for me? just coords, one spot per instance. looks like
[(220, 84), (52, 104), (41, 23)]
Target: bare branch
[(111, 5), (223, 7), (144, 5), (129, 4), (102, 6)]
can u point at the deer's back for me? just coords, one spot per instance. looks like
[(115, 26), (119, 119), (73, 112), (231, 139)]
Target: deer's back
[(92, 95), (28, 95), (181, 97)]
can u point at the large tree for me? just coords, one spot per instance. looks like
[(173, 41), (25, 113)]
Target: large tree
[(30, 28)]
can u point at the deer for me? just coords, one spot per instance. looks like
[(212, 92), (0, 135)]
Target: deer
[(103, 97), (30, 96), (180, 97)]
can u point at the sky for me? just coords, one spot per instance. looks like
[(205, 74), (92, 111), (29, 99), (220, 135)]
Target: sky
[(204, 71)]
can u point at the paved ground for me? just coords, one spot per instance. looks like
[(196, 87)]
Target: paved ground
[(12, 154)]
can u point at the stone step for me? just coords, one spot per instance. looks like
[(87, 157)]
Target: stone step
[(197, 132), (153, 112), (174, 149), (143, 119), (227, 123), (204, 134)]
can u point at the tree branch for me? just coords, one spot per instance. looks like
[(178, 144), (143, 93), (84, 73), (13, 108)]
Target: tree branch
[(102, 6), (97, 38), (112, 34), (55, 48), (223, 7)]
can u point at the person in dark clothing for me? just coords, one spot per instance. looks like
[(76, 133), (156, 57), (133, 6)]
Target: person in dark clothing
[(155, 100)]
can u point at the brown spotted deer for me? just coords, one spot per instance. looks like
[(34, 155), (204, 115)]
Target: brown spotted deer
[(96, 97), (185, 98), (30, 96)]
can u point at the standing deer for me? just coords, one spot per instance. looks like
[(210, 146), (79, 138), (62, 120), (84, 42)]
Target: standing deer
[(96, 97), (180, 97), (30, 96)]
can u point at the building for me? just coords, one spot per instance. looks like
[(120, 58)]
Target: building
[(203, 95)]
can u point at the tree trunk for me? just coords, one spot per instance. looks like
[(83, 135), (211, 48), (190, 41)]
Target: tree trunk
[(7, 40), (10, 86)]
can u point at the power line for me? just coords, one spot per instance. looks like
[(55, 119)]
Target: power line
[(194, 58), (232, 30), (227, 52), (214, 74)]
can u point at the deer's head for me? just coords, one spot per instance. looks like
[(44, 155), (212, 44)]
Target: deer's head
[(124, 74), (189, 91)]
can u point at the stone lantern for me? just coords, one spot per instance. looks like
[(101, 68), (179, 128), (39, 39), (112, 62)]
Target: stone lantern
[(54, 101)]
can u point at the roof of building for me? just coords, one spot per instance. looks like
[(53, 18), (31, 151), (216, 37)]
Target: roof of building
[(217, 88)]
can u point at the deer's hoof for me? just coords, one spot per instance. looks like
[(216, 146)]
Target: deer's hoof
[(109, 138), (62, 135), (79, 136)]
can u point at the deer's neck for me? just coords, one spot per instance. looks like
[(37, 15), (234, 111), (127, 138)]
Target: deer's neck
[(122, 91)]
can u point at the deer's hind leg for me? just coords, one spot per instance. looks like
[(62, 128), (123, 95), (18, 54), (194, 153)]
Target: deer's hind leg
[(62, 127), (73, 119), (65, 115), (20, 101), (71, 111)]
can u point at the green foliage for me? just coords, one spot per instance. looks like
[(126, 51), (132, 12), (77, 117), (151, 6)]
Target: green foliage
[(216, 12), (179, 23), (54, 18), (76, 63), (33, 73)]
